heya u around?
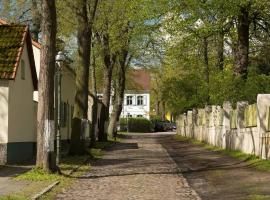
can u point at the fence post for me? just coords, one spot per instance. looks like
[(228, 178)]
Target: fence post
[(226, 124), (263, 105)]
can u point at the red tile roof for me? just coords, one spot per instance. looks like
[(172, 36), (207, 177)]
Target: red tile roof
[(140, 80), (12, 40)]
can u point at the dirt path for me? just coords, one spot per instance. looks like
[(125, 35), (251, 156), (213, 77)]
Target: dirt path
[(137, 169), (215, 176)]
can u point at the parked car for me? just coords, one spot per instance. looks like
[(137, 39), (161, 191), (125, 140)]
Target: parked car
[(164, 126)]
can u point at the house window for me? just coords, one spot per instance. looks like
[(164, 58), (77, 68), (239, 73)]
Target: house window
[(22, 69), (129, 115), (129, 100), (139, 116), (139, 100)]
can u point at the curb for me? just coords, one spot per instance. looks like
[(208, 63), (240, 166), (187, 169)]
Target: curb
[(45, 190), (50, 187)]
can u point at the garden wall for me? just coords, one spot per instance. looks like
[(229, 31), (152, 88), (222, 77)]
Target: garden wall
[(245, 128)]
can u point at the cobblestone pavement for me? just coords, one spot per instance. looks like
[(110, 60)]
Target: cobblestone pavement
[(138, 168)]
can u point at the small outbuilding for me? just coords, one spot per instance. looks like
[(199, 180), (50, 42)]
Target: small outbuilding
[(18, 81)]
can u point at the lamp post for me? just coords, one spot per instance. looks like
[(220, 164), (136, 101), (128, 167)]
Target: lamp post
[(59, 59), (127, 122)]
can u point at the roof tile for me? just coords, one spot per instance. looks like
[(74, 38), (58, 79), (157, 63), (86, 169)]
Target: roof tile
[(11, 44)]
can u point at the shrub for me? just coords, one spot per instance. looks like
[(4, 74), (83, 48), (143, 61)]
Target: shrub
[(139, 124)]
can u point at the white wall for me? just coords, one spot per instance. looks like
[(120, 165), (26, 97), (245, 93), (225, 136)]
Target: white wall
[(4, 91), (68, 96), (21, 114), (36, 52), (218, 130), (67, 92), (134, 109)]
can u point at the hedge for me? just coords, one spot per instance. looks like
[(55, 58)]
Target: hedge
[(139, 125)]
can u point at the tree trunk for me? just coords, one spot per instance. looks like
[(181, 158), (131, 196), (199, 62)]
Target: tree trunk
[(109, 61), (119, 94), (36, 20), (206, 67), (45, 118), (220, 50), (163, 111), (82, 80), (241, 59), (157, 105), (104, 114), (94, 101)]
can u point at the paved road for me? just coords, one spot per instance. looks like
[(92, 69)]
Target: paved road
[(139, 168), (7, 173)]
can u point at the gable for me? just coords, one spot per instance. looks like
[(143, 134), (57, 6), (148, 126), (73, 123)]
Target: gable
[(12, 40)]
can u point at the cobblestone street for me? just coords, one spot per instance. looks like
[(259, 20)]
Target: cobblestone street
[(138, 168)]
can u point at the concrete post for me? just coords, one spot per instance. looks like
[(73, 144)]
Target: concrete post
[(227, 108), (263, 115)]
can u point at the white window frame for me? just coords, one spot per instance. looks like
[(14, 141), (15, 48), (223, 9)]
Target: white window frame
[(140, 100), (129, 100)]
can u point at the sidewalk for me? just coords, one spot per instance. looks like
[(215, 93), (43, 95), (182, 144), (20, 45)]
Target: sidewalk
[(7, 184), (216, 176)]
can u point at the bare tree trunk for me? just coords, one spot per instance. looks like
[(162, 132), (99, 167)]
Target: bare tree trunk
[(241, 59), (82, 79), (45, 118), (119, 93)]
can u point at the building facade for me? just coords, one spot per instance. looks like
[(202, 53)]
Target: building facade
[(18, 81), (137, 94)]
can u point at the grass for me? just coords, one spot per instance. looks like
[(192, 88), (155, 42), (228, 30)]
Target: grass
[(258, 163), (38, 179)]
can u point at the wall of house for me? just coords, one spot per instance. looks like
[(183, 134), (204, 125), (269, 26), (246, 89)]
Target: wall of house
[(4, 91), (135, 109), (21, 114), (36, 52), (246, 128), (68, 97)]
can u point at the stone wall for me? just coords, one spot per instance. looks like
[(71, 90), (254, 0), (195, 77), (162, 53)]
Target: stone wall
[(245, 128)]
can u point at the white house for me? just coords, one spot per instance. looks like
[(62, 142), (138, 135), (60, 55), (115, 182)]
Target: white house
[(18, 81), (67, 94), (137, 94)]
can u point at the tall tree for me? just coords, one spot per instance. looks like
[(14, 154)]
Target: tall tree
[(93, 98), (109, 59), (45, 118), (84, 36), (82, 78), (242, 51), (35, 20), (123, 63)]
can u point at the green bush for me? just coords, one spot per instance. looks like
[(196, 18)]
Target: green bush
[(139, 125)]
